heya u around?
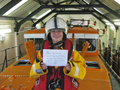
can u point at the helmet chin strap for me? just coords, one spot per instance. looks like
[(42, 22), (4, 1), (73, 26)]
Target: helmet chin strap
[(56, 43)]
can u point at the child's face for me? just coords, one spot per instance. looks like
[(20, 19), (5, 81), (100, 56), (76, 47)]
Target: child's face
[(56, 35)]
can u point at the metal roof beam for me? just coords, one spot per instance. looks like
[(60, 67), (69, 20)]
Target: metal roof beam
[(99, 19), (72, 6), (8, 6), (71, 2), (78, 2), (13, 18), (62, 2), (55, 15), (116, 27), (52, 2), (52, 16), (91, 2), (41, 2), (74, 12), (28, 17), (9, 18), (107, 8), (42, 18)]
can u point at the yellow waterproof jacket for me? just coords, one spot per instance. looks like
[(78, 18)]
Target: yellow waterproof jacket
[(78, 71), (59, 78)]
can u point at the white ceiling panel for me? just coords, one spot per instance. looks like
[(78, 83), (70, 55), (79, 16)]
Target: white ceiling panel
[(3, 3), (31, 5), (25, 9)]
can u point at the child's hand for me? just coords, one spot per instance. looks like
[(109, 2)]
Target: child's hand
[(43, 65), (68, 67)]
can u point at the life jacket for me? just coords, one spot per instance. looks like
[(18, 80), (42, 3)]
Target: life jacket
[(66, 82)]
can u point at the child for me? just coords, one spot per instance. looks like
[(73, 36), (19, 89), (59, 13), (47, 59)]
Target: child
[(54, 77)]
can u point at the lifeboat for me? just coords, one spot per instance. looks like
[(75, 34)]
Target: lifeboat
[(85, 41)]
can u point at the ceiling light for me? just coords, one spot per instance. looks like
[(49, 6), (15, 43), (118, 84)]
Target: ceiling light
[(44, 14), (117, 23), (108, 23), (86, 2), (2, 31), (15, 7), (5, 29), (98, 10), (118, 1), (116, 20)]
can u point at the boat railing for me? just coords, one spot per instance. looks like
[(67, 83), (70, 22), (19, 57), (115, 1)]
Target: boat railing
[(6, 60), (112, 60)]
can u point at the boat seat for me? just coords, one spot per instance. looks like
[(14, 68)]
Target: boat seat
[(31, 50)]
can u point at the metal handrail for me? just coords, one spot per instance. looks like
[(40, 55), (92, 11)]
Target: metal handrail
[(5, 59), (111, 59), (115, 74), (118, 61)]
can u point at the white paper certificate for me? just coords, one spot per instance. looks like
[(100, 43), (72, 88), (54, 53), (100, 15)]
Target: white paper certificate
[(55, 57)]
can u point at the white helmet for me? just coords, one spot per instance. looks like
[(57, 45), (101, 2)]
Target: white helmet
[(56, 23)]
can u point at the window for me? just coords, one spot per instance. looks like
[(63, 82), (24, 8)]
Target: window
[(5, 29), (92, 44)]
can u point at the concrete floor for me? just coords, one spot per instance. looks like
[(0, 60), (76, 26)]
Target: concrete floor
[(114, 83)]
